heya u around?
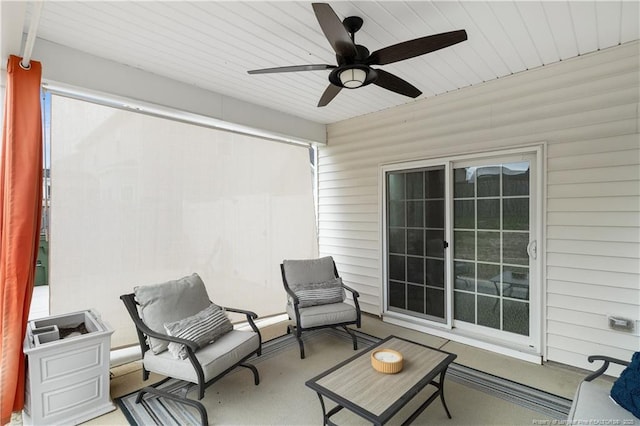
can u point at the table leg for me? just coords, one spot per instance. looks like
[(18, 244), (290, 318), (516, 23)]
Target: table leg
[(324, 411), (327, 415), (444, 404), (439, 391)]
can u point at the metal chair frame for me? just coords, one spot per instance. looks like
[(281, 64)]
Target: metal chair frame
[(144, 331), (606, 360), (298, 329)]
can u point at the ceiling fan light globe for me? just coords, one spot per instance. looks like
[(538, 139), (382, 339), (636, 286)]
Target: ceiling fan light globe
[(353, 77)]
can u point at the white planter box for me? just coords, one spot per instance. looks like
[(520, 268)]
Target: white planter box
[(67, 378)]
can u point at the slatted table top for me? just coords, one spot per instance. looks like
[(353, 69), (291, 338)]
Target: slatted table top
[(355, 385)]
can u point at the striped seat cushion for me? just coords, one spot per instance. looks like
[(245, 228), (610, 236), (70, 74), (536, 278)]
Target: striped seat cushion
[(319, 293), (202, 328)]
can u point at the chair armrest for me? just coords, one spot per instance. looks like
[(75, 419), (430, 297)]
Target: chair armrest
[(606, 360), (149, 332), (354, 292), (250, 316), (292, 295), (355, 302)]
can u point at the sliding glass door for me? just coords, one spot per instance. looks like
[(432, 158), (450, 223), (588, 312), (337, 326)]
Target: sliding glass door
[(491, 238), (460, 240), (416, 262)]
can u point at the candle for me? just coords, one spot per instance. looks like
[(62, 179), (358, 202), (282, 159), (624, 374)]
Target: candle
[(386, 356)]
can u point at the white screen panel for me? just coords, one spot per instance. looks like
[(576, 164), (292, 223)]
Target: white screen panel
[(139, 200)]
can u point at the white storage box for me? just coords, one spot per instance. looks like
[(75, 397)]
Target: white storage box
[(67, 374)]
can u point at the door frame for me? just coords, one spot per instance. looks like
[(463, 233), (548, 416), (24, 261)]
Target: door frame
[(536, 350)]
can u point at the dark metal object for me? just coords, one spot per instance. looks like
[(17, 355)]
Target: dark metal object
[(329, 93), (298, 329), (333, 29), (293, 68), (417, 47), (334, 77), (352, 24), (349, 55), (143, 331), (430, 377), (599, 372), (391, 82)]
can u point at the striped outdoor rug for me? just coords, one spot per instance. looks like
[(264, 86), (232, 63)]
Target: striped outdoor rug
[(160, 411)]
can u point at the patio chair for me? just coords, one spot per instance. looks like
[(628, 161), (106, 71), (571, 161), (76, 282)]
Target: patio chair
[(598, 399), (183, 335), (316, 298)]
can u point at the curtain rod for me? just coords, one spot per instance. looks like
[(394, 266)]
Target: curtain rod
[(31, 35)]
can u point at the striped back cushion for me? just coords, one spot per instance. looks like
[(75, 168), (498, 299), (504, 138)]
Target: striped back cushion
[(319, 293), (202, 328)]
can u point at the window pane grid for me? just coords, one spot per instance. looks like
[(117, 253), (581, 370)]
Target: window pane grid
[(491, 231), (415, 217)]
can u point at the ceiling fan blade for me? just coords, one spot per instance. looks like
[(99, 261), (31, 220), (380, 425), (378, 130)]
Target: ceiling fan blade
[(330, 92), (416, 47), (394, 83), (333, 29), (293, 68)]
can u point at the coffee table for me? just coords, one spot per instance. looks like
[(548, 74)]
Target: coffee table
[(377, 397)]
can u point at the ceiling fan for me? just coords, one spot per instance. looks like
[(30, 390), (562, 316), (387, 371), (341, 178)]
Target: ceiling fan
[(354, 60)]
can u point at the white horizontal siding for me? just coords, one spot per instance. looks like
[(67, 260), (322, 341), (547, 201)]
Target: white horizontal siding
[(578, 218), (591, 320), (586, 110), (612, 338), (595, 233), (595, 189), (588, 304), (622, 157), (596, 174), (594, 248), (586, 276), (594, 204), (597, 291)]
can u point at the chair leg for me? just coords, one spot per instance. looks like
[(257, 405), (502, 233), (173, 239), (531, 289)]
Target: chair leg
[(256, 375), (150, 388), (141, 394), (290, 329), (160, 393), (299, 338), (198, 406), (353, 337)]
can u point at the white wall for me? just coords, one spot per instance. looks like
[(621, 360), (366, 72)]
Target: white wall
[(586, 110)]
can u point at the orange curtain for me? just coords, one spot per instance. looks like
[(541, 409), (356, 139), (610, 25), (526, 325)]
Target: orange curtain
[(20, 212)]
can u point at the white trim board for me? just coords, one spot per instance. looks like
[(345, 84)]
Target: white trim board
[(456, 336)]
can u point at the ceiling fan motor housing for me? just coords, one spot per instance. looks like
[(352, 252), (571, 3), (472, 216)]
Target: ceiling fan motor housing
[(334, 76), (355, 62)]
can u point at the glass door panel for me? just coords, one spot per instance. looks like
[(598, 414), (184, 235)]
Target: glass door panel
[(491, 205), (415, 214)]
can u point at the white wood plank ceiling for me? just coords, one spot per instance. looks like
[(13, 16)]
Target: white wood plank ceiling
[(212, 44)]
